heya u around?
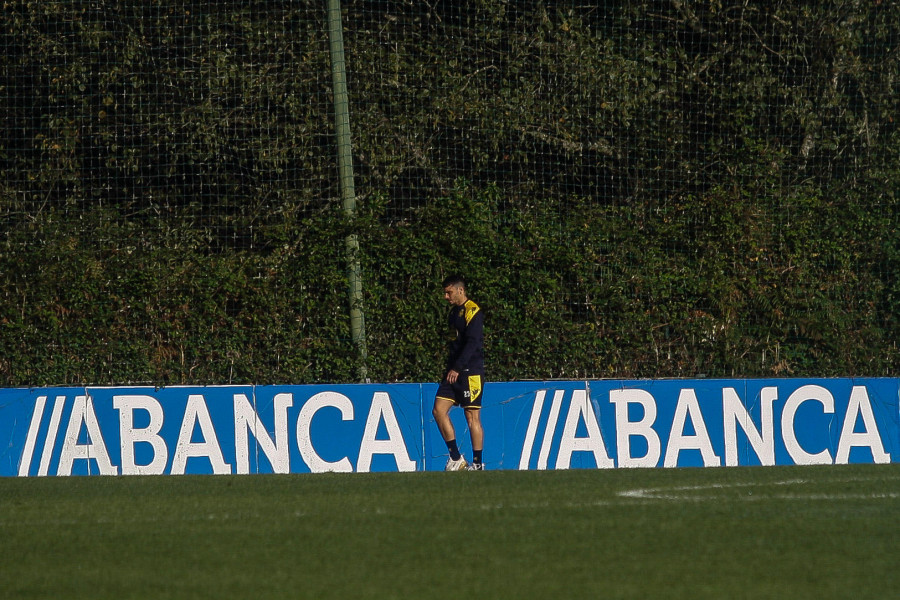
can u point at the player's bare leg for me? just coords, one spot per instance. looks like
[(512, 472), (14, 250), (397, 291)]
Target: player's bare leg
[(441, 413), (473, 418)]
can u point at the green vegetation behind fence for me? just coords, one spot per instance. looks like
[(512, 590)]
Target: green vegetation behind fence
[(635, 189)]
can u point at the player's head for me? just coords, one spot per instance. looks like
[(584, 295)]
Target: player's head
[(455, 289), (456, 280)]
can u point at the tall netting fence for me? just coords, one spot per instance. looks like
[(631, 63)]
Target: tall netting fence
[(634, 189)]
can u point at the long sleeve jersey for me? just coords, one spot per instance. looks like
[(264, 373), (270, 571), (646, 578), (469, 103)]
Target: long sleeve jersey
[(467, 349)]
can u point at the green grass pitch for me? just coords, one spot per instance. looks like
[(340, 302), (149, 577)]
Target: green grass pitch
[(793, 532)]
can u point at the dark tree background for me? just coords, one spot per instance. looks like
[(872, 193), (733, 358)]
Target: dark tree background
[(636, 188)]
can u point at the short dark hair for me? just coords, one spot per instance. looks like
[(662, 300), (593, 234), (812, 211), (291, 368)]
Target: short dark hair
[(454, 279)]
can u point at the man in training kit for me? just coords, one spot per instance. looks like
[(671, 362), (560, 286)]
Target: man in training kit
[(464, 375)]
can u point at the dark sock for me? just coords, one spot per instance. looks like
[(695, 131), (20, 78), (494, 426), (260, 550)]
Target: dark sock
[(476, 456), (454, 451)]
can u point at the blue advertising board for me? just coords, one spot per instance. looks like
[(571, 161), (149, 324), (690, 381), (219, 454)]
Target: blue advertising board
[(370, 427)]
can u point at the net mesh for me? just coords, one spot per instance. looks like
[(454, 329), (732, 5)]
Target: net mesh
[(634, 188)]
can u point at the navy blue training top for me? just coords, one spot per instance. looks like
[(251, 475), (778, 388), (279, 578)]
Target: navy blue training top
[(467, 349)]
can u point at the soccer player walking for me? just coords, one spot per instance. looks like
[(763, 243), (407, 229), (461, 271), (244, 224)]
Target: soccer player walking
[(463, 379)]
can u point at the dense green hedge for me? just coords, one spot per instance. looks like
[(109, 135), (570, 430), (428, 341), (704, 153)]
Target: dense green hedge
[(636, 189)]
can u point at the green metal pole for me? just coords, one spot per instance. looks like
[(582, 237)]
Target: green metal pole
[(345, 172)]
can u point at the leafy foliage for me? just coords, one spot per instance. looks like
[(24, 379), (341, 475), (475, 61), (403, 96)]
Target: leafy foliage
[(635, 189)]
